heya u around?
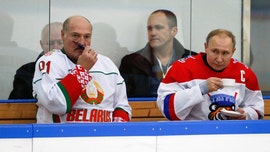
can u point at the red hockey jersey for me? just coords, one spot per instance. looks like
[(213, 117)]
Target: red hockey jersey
[(180, 97)]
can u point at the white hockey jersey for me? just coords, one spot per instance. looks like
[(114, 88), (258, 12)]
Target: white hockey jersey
[(60, 97), (180, 97)]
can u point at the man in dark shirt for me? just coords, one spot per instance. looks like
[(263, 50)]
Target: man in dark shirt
[(143, 70), (22, 84)]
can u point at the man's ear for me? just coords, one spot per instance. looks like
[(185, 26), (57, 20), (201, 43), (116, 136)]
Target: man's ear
[(41, 45), (233, 50), (40, 42), (62, 34), (205, 45), (174, 30)]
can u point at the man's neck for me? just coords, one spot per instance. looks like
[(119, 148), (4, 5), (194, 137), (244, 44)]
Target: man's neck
[(164, 54)]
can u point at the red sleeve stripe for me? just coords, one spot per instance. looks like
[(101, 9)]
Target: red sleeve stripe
[(71, 89), (169, 107)]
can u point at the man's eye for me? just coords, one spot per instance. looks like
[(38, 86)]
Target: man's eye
[(158, 27), (87, 37), (75, 35), (225, 53), (214, 51)]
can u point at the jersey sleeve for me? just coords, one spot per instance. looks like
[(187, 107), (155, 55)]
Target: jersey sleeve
[(55, 89), (122, 109), (175, 97)]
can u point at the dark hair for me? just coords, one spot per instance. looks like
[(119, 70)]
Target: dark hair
[(221, 31), (172, 21)]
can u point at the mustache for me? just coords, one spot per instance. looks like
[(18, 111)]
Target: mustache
[(79, 46)]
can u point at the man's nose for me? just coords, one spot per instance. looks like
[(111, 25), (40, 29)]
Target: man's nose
[(219, 58), (152, 32), (56, 46)]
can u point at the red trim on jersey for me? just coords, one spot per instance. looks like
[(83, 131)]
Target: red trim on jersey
[(72, 87), (172, 113), (195, 67), (119, 112)]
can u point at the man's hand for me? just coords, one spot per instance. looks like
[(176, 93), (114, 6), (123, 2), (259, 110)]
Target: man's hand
[(214, 83), (242, 117), (88, 58)]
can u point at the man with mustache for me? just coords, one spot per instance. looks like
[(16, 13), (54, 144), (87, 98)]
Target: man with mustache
[(75, 84)]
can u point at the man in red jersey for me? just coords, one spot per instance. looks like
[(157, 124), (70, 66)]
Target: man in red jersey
[(193, 89)]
